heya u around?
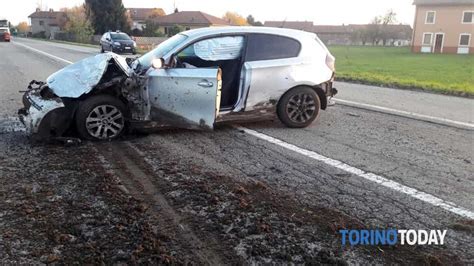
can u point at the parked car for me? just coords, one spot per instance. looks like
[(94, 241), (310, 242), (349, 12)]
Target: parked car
[(5, 34), (117, 42), (192, 80)]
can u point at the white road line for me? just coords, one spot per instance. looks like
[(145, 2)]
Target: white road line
[(428, 198), (439, 120), (449, 206), (44, 53)]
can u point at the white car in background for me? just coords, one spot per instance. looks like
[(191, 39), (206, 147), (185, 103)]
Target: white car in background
[(193, 80)]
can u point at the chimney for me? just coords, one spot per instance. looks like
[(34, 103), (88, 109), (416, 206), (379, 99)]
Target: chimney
[(38, 9), (51, 10)]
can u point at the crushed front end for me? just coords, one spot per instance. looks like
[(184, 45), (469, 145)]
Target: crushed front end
[(44, 114)]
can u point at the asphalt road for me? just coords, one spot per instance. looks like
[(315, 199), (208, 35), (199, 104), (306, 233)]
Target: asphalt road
[(411, 154)]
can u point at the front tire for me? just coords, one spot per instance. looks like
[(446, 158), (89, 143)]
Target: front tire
[(299, 107), (101, 117)]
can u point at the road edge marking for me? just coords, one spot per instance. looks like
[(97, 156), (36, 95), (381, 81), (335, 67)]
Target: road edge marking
[(44, 53), (407, 114), (425, 197)]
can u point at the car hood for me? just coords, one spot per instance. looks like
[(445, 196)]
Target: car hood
[(81, 77)]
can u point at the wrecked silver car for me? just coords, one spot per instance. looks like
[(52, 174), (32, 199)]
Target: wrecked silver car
[(192, 80)]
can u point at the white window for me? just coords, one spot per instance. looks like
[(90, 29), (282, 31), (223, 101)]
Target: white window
[(464, 39), (430, 17), (427, 38), (467, 17)]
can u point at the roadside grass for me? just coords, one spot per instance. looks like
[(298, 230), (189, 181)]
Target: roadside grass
[(398, 67)]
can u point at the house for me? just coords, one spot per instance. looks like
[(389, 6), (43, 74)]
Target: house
[(296, 25), (47, 23), (188, 20), (443, 26), (329, 34), (139, 16), (392, 35), (333, 34)]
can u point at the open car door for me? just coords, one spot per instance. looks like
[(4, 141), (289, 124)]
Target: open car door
[(185, 97)]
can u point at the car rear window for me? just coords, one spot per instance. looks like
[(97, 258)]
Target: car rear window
[(269, 47)]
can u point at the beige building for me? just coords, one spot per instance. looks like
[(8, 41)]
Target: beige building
[(47, 23), (443, 26), (139, 16), (188, 20)]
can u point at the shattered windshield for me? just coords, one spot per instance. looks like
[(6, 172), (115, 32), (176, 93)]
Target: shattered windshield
[(161, 50)]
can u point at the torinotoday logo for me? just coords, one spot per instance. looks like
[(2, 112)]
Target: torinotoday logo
[(392, 237)]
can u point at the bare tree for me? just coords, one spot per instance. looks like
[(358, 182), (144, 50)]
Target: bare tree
[(386, 31)]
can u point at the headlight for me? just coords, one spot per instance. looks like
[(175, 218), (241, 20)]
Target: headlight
[(116, 43), (134, 44)]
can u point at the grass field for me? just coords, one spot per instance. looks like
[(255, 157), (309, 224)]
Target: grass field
[(398, 67)]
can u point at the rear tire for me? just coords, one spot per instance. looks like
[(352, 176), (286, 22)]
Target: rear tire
[(101, 117), (299, 107)]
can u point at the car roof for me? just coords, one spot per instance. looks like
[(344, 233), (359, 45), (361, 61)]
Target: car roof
[(201, 32)]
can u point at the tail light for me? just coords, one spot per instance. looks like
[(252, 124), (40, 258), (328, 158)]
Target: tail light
[(331, 62)]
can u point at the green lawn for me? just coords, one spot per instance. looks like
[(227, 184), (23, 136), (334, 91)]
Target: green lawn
[(398, 67)]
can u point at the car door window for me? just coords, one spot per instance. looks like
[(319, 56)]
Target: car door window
[(270, 47), (215, 49), (222, 48)]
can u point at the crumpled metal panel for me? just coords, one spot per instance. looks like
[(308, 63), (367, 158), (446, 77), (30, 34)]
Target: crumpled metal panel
[(81, 77), (216, 49), (38, 110)]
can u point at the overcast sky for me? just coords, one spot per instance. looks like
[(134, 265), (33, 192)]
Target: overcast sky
[(323, 12)]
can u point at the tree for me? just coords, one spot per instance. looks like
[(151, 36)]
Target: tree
[(251, 21), (379, 28), (151, 29), (390, 17), (235, 19), (386, 31), (23, 27), (373, 30), (107, 15), (175, 30), (78, 25)]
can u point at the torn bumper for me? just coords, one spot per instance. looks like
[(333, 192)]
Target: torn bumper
[(43, 117), (328, 86)]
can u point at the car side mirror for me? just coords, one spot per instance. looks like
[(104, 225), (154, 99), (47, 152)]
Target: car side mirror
[(158, 63), (107, 39)]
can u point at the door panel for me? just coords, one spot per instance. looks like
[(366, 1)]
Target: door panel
[(438, 43), (185, 97)]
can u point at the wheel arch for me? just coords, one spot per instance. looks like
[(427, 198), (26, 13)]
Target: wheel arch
[(319, 91)]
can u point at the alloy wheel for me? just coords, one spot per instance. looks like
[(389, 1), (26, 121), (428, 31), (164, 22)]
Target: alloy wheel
[(301, 108), (105, 122)]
